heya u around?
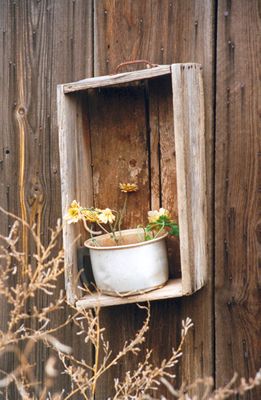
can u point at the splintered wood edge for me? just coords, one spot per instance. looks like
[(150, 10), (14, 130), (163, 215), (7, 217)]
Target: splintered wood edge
[(172, 289)]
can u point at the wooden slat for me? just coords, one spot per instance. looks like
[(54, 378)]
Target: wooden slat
[(111, 80), (190, 144), (238, 192), (195, 28), (69, 26), (9, 162), (75, 165), (172, 289)]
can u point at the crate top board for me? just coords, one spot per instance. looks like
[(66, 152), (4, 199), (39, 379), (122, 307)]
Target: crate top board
[(117, 79), (190, 151), (126, 77)]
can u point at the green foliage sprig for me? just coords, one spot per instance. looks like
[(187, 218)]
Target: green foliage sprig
[(160, 222)]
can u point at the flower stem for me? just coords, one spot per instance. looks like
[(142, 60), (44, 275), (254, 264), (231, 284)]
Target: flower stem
[(116, 240), (161, 229), (97, 354), (90, 230), (102, 227), (123, 212)]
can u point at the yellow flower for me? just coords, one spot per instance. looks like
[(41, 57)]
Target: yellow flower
[(74, 213), (154, 215), (90, 215), (75, 204), (128, 187), (106, 216)]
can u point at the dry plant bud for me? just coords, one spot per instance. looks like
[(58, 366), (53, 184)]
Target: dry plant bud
[(57, 345), (50, 367)]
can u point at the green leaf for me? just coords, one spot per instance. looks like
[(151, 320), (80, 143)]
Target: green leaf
[(148, 237), (174, 231)]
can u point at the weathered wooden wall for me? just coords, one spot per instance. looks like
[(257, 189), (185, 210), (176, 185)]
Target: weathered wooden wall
[(43, 43)]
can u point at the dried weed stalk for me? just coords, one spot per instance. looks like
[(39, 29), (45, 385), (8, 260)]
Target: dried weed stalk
[(19, 337), (234, 387), (20, 283)]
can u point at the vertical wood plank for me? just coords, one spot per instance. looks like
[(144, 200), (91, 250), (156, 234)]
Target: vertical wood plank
[(237, 198), (190, 144), (164, 32), (76, 178), (8, 156), (193, 35), (70, 54)]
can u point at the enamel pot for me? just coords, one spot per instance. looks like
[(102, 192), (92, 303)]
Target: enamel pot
[(133, 266)]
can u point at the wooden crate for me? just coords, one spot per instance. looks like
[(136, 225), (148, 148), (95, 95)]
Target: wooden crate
[(146, 125)]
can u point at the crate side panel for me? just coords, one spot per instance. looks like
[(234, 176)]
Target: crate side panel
[(76, 178), (189, 128)]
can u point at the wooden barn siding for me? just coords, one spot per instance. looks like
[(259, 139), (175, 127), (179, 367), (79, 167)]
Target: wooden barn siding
[(44, 43)]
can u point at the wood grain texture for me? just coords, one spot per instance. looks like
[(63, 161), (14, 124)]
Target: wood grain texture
[(163, 32), (190, 145), (237, 199)]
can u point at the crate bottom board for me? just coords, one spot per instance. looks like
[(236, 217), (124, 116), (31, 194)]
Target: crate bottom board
[(172, 289)]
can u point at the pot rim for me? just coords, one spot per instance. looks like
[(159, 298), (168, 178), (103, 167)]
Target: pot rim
[(88, 244)]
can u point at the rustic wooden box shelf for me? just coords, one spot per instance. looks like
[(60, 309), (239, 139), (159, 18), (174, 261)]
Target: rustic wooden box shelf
[(146, 125)]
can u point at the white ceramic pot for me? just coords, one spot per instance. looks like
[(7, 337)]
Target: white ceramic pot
[(130, 267)]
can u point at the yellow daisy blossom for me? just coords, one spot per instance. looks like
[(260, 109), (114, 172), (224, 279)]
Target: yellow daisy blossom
[(90, 215), (74, 213), (106, 216), (154, 215), (128, 187)]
